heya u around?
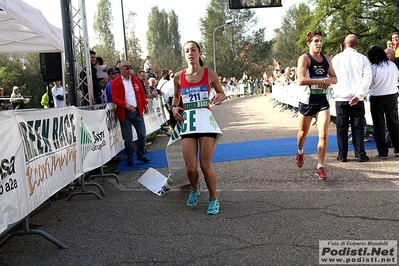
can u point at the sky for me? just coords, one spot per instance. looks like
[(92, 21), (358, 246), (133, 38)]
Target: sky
[(188, 11)]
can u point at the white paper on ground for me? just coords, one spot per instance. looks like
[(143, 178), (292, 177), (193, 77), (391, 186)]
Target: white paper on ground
[(153, 180)]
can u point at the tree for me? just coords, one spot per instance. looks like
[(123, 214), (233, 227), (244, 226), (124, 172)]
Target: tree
[(287, 37), (10, 72), (22, 70), (163, 40), (176, 61), (373, 21), (133, 44), (258, 59), (103, 21), (237, 48), (34, 85)]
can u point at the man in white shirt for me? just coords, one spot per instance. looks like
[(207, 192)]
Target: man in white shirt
[(167, 92), (58, 95), (162, 82), (354, 78)]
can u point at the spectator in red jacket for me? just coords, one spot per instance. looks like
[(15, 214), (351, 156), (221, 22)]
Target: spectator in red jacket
[(128, 94)]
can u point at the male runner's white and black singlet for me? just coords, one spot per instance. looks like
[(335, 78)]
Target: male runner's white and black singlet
[(195, 95), (317, 70)]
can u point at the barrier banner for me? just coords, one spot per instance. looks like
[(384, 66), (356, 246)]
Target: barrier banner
[(45, 150), (289, 94), (158, 108), (51, 148), (198, 120), (150, 119), (13, 193), (114, 133), (100, 139), (157, 115)]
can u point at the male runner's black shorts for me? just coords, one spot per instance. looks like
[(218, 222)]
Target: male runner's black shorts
[(311, 110)]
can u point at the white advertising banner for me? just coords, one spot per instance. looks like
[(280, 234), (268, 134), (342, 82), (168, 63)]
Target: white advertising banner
[(100, 138), (114, 133), (13, 192), (45, 150), (156, 115), (51, 151)]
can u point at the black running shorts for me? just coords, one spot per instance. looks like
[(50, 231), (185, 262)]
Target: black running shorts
[(311, 110)]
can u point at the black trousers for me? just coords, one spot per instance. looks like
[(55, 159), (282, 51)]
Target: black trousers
[(355, 116), (385, 109)]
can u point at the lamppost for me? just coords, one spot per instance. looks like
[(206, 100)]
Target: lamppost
[(214, 51), (124, 31)]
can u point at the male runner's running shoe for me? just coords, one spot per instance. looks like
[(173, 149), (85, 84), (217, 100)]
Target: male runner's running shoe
[(321, 173), (300, 159)]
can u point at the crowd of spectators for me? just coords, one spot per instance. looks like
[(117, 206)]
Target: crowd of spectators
[(279, 76)]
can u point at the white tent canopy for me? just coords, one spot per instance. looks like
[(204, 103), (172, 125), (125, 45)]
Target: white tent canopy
[(24, 29)]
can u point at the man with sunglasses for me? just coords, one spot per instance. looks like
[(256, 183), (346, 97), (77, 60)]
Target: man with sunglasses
[(128, 94)]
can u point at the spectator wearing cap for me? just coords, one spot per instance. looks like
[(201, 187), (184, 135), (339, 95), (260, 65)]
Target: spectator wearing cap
[(112, 74)]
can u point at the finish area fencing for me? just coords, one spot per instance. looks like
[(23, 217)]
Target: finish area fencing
[(45, 150)]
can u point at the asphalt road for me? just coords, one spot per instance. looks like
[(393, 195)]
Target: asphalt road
[(272, 213)]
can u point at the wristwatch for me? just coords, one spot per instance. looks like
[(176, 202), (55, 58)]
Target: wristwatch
[(172, 106)]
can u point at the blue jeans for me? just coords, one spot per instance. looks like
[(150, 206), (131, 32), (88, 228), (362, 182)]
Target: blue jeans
[(133, 118)]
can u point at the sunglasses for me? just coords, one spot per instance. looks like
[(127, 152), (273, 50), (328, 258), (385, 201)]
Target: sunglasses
[(114, 73), (127, 67)]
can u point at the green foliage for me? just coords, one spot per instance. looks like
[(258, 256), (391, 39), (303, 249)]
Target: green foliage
[(257, 59), (373, 21), (103, 21), (163, 40), (133, 44), (237, 48), (289, 37), (22, 70)]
